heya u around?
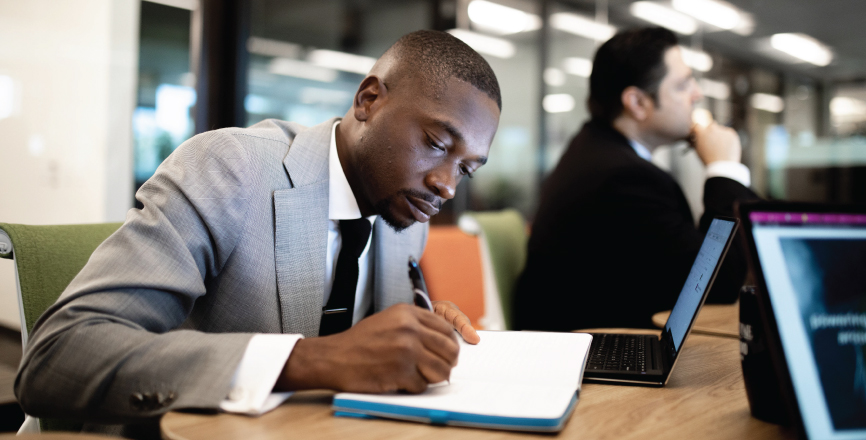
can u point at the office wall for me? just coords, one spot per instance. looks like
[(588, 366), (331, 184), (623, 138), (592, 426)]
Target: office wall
[(67, 92)]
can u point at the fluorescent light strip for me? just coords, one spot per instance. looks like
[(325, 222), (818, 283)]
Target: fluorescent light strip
[(346, 62), (845, 106), (581, 67), (273, 48), (663, 16), (715, 89), (696, 59), (492, 46), (746, 26), (558, 103), (582, 26), (554, 77), (719, 14), (301, 69), (318, 95), (501, 19), (803, 47), (766, 102)]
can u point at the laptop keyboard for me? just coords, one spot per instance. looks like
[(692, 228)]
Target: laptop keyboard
[(618, 352)]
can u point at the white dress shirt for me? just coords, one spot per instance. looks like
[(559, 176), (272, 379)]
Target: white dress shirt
[(266, 354), (720, 168)]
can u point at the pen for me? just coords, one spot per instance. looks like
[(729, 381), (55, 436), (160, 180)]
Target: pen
[(422, 298)]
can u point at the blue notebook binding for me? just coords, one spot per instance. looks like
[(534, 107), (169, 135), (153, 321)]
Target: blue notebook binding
[(369, 410)]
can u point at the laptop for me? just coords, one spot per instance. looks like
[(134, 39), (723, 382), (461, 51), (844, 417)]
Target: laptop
[(809, 262), (648, 359)]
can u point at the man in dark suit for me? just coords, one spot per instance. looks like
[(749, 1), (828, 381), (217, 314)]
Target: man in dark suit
[(614, 238)]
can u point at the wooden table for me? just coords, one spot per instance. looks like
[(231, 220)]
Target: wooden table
[(714, 319), (704, 399)]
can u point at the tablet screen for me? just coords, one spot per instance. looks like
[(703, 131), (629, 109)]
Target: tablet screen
[(814, 265)]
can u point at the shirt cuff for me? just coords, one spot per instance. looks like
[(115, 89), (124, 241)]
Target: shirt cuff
[(731, 170), (251, 390)]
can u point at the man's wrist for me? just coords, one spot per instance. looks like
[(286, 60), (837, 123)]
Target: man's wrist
[(306, 367)]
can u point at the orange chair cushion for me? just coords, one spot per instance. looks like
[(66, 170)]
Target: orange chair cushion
[(452, 269)]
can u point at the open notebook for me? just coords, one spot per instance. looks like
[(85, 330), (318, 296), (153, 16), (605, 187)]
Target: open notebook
[(527, 381)]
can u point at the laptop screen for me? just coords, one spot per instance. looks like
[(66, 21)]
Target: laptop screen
[(814, 266), (699, 278)]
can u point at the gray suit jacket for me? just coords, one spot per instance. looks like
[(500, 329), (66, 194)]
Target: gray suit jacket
[(231, 242)]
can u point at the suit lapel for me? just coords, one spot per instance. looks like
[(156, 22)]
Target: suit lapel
[(301, 231), (391, 283)]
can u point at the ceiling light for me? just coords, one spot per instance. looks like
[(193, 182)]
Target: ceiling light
[(300, 69), (845, 106), (318, 95), (696, 59), (803, 47), (719, 14), (746, 25), (581, 67), (273, 48), (715, 89), (766, 102), (582, 26), (664, 16), (492, 46), (558, 103), (346, 62), (501, 19), (554, 77)]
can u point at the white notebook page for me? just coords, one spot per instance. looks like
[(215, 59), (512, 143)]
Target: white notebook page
[(509, 374)]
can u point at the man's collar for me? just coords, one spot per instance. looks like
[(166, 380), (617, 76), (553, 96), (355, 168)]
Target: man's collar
[(611, 126), (342, 204), (341, 200), (640, 149)]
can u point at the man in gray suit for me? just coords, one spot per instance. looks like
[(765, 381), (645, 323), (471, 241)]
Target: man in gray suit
[(212, 295)]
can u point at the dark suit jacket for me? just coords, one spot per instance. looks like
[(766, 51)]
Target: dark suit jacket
[(614, 239)]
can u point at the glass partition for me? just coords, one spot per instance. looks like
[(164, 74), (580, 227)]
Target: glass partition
[(307, 58), (163, 116)]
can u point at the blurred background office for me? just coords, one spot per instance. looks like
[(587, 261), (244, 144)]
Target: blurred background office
[(94, 94)]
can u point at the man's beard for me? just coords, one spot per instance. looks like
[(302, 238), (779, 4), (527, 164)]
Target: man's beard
[(384, 208)]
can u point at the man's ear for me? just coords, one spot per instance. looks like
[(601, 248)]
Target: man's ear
[(636, 103), (371, 94)]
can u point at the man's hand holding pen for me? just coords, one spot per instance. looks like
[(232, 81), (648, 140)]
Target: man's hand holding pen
[(403, 348), (445, 309)]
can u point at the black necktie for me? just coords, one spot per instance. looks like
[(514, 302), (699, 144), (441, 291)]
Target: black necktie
[(337, 314)]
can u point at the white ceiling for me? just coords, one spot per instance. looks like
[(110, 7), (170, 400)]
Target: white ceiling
[(837, 23)]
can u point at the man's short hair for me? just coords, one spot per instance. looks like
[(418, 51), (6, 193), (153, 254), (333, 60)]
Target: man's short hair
[(438, 56), (631, 58)]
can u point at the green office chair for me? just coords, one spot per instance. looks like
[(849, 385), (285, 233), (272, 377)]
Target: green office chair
[(505, 239), (46, 259)]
